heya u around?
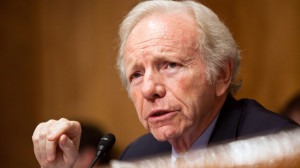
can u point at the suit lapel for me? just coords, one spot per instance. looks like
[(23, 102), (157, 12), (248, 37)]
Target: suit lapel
[(226, 128)]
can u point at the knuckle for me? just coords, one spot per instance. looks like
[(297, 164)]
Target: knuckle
[(51, 129), (51, 121), (76, 124), (37, 131), (41, 125), (35, 139), (65, 125), (42, 135), (63, 120)]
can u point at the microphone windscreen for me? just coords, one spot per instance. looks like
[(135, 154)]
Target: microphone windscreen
[(106, 142)]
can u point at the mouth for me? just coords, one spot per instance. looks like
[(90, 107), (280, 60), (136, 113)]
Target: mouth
[(159, 113), (161, 116)]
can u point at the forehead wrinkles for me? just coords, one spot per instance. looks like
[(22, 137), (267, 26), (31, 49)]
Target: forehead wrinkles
[(162, 41), (169, 27), (158, 47), (162, 34), (156, 44)]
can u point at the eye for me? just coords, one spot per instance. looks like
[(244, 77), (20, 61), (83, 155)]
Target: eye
[(172, 65), (135, 75)]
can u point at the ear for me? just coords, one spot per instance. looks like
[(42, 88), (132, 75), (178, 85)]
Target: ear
[(224, 78)]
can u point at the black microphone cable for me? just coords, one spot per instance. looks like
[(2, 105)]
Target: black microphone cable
[(105, 144)]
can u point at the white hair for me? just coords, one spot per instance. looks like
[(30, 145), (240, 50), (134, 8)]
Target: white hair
[(217, 46)]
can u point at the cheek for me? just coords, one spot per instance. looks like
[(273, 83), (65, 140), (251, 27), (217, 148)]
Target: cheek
[(137, 99), (191, 90), (187, 85), (179, 83)]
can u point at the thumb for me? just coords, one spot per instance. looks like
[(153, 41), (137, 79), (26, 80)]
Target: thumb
[(68, 148)]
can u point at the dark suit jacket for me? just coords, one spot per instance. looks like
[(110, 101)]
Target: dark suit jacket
[(237, 119)]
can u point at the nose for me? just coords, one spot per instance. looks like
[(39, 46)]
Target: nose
[(153, 87)]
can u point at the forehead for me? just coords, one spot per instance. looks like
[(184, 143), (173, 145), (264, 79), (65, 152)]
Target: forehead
[(175, 30)]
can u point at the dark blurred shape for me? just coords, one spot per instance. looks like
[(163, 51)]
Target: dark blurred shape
[(292, 109), (90, 138)]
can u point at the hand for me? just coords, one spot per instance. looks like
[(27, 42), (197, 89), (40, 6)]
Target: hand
[(56, 143)]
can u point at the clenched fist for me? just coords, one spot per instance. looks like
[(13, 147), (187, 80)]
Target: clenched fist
[(56, 143)]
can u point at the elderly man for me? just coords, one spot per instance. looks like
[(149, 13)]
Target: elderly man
[(178, 62)]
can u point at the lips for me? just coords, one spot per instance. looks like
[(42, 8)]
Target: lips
[(161, 117), (159, 113)]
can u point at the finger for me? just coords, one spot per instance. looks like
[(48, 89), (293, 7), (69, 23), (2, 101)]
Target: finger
[(63, 126), (42, 142), (48, 147), (51, 149), (35, 140), (68, 148)]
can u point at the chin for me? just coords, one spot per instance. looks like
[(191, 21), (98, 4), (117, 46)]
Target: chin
[(166, 135)]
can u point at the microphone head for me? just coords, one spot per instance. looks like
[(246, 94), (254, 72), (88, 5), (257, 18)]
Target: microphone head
[(106, 142)]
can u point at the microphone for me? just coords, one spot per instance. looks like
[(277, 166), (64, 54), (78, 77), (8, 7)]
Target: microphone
[(105, 144)]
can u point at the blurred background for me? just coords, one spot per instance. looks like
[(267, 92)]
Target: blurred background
[(57, 59)]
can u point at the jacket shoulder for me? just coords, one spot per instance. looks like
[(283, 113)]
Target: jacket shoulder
[(239, 119), (255, 119), (145, 146)]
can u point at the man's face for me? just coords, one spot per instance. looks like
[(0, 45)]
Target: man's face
[(168, 84)]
